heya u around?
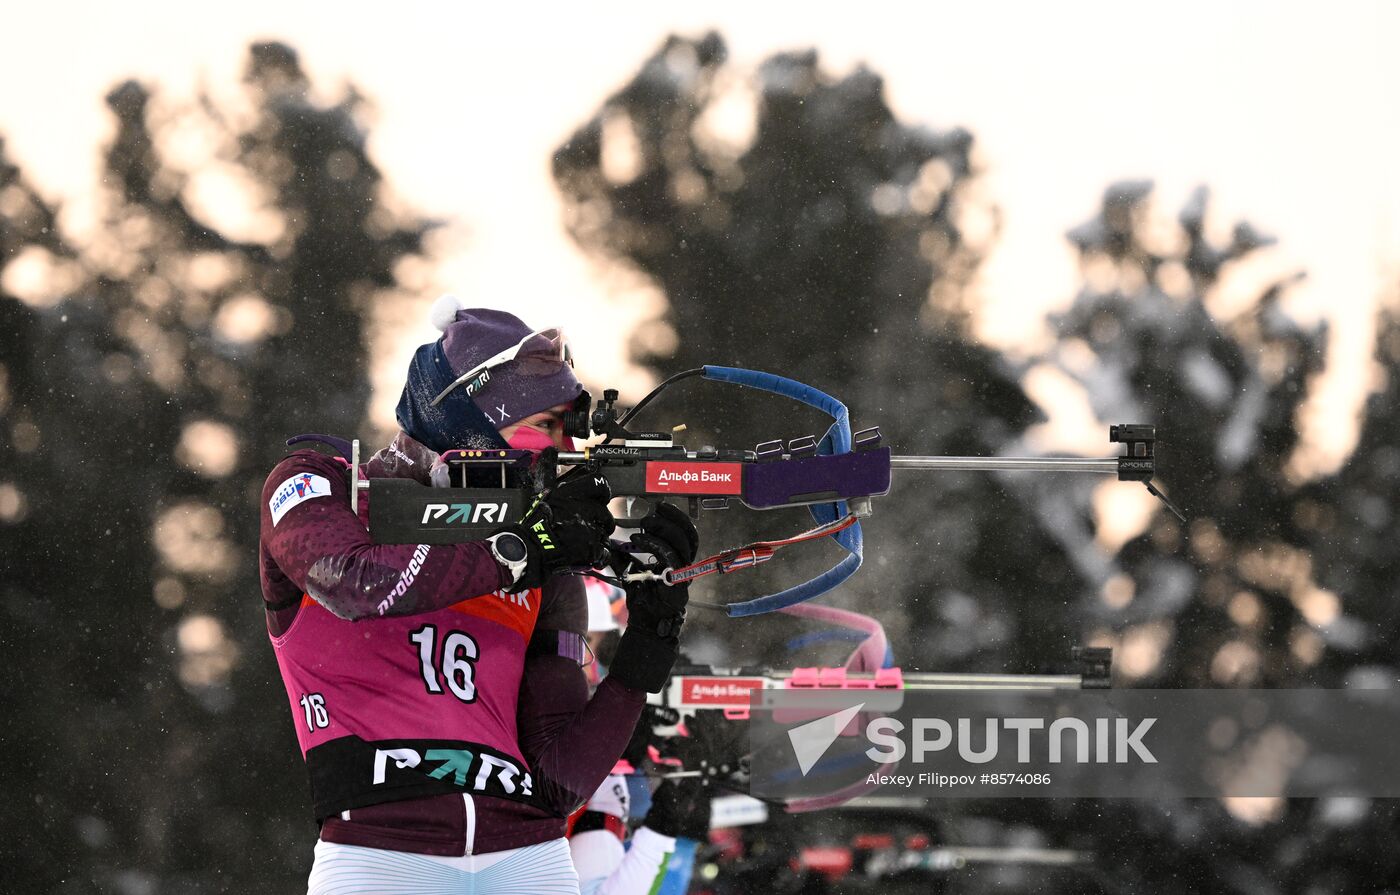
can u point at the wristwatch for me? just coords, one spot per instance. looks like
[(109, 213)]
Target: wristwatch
[(510, 551)]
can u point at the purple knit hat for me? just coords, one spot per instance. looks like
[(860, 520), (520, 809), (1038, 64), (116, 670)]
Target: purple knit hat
[(471, 336)]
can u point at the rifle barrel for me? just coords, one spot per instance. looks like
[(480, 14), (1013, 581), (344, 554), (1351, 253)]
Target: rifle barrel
[(937, 680), (1105, 466), (969, 854)]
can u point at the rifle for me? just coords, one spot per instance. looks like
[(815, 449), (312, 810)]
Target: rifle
[(695, 688), (836, 476), (710, 703)]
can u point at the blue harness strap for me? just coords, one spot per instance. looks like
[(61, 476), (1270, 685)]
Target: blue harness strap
[(837, 440)]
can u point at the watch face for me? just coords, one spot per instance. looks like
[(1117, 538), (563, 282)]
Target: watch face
[(511, 548)]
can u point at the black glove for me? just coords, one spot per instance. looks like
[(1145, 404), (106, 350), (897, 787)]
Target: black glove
[(582, 496), (637, 749), (680, 808), (669, 535), (655, 610), (565, 528)]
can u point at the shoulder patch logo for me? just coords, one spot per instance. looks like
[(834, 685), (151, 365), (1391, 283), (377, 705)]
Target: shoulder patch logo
[(298, 488)]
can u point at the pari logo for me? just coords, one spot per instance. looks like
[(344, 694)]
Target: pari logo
[(465, 768), (1031, 740), (694, 478), (295, 490), (465, 513), (478, 383)]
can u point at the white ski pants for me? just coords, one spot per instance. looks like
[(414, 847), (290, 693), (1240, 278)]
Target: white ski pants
[(542, 869)]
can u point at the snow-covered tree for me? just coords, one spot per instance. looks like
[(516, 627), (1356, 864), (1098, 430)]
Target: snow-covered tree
[(1227, 598), (156, 371), (822, 238)]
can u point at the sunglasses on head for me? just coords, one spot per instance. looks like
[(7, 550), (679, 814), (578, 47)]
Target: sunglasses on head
[(540, 353)]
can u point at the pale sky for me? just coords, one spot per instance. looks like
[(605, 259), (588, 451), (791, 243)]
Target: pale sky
[(1288, 110)]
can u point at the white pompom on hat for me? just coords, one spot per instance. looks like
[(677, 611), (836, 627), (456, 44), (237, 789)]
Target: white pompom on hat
[(444, 311)]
